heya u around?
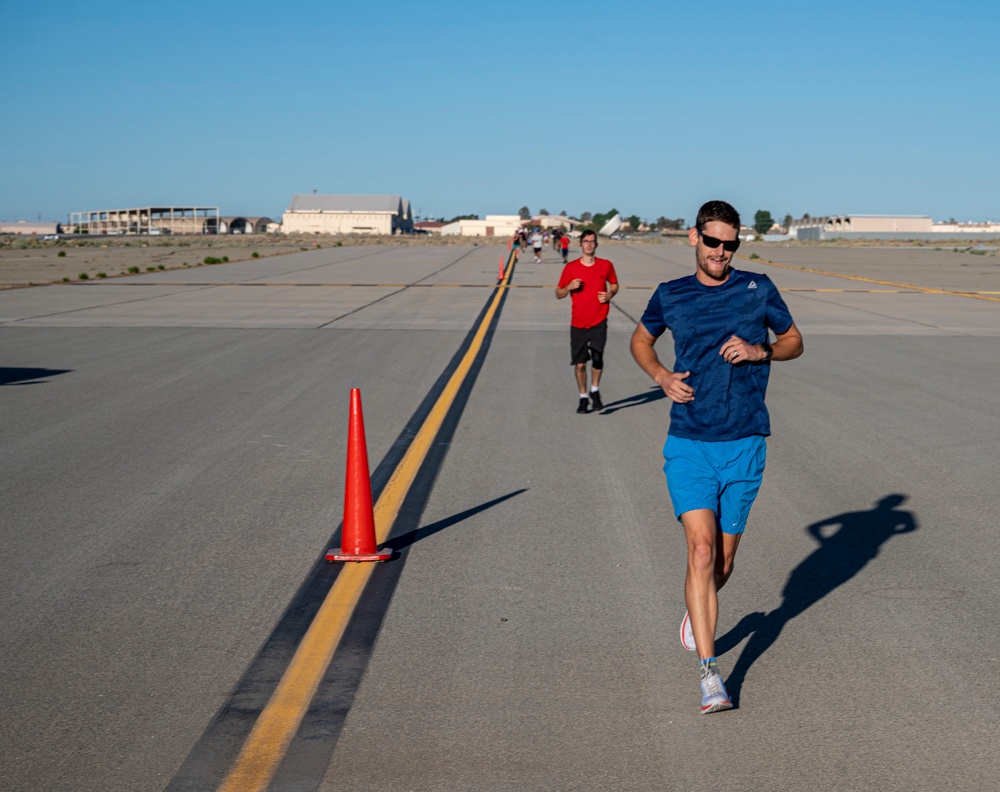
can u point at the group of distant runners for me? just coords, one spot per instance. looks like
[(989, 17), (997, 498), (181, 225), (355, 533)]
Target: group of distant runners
[(721, 320), (538, 239)]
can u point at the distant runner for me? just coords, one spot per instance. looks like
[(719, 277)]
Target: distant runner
[(592, 282), (537, 240)]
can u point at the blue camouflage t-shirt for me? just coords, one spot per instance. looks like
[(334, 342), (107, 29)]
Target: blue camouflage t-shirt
[(728, 400)]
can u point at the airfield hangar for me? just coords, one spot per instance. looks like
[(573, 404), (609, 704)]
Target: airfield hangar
[(348, 214), (853, 226)]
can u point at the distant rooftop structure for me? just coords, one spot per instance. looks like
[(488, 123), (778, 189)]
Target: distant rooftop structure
[(147, 220), (428, 226), (345, 203), (554, 221)]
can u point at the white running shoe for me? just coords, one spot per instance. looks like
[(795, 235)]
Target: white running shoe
[(714, 697), (687, 634)]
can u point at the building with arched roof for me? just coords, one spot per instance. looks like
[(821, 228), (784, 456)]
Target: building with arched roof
[(244, 225)]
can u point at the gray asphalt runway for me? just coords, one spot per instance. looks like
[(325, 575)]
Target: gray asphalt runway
[(173, 466)]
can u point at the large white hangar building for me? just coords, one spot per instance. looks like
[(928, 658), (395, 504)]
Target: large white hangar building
[(347, 214)]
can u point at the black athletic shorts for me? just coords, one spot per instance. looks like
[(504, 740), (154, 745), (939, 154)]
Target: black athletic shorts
[(584, 339)]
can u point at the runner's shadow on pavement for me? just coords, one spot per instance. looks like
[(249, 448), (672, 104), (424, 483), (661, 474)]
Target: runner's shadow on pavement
[(397, 543), (842, 553), (653, 394), (24, 376)]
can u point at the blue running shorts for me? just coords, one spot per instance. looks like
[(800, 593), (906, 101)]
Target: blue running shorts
[(722, 476)]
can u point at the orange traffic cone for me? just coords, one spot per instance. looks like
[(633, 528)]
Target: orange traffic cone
[(357, 537)]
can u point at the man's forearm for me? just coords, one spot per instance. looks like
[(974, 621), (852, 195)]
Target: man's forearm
[(788, 345), (645, 355)]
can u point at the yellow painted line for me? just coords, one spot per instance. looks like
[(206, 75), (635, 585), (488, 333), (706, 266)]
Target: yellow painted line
[(271, 735), (910, 286), (305, 285), (853, 291)]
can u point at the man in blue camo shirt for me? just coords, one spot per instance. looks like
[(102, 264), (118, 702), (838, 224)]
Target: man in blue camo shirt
[(721, 320)]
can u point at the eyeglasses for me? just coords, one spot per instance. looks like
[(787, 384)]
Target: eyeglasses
[(730, 245), (588, 239)]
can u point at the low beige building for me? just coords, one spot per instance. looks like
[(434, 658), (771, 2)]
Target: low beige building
[(967, 229), (29, 227), (493, 225), (347, 214)]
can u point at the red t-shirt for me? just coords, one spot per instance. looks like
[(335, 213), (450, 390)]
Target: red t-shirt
[(587, 311), (565, 243)]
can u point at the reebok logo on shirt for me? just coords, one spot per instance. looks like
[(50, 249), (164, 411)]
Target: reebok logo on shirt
[(752, 285)]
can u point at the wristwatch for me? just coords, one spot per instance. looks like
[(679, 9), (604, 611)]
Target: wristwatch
[(768, 352)]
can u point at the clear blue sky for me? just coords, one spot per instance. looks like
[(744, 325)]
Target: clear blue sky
[(650, 107)]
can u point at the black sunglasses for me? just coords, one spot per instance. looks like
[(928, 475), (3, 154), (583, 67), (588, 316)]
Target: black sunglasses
[(731, 245)]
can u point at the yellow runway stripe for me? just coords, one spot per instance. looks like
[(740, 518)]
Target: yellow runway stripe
[(907, 286), (271, 735)]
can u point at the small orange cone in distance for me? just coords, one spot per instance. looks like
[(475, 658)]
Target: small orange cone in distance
[(358, 533)]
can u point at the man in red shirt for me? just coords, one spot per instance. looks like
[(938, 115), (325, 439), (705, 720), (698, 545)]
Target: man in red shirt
[(564, 244), (592, 282)]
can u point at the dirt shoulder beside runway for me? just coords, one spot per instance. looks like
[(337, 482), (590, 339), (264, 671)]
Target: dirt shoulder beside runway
[(34, 262)]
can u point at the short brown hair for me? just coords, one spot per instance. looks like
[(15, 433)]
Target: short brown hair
[(717, 210), (587, 233)]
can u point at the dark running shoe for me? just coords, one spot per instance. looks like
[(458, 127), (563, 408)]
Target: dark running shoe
[(584, 405), (595, 399)]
